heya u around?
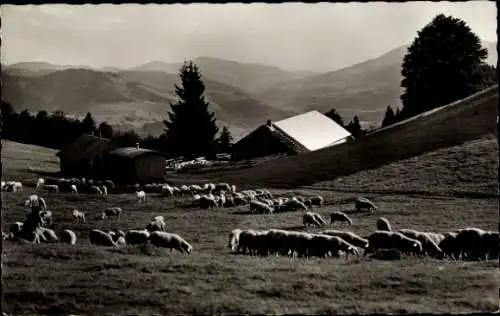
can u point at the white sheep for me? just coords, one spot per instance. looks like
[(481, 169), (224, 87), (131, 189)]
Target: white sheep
[(74, 190), (96, 190), (350, 237), (141, 195), (309, 218), (47, 235), (429, 247), (167, 191), (68, 236), (35, 202), (157, 225), (46, 217), (387, 240), (3, 185), (39, 183), (260, 207), (98, 237), (340, 217), (169, 240), (78, 216), (137, 237), (51, 188), (104, 190), (234, 237), (111, 212), (363, 203)]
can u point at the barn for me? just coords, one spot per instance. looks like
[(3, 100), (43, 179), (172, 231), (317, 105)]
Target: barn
[(134, 165), (83, 157), (305, 132)]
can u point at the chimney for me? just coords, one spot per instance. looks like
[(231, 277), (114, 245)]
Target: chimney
[(137, 146), (269, 123)]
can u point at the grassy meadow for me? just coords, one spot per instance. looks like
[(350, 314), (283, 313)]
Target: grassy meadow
[(92, 280)]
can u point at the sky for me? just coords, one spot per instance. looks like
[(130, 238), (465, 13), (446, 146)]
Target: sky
[(292, 36)]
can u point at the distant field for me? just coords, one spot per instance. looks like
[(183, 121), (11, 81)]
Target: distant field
[(83, 279)]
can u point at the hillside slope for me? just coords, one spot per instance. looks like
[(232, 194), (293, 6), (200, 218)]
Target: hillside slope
[(364, 89), (135, 98), (450, 125)]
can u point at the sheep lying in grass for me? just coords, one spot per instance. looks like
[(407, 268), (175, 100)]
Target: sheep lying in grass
[(340, 217), (429, 247), (141, 196), (98, 237), (383, 224), (364, 204), (169, 240), (111, 212), (137, 237), (387, 240), (78, 216), (68, 236)]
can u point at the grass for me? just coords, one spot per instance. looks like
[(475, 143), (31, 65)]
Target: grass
[(85, 279)]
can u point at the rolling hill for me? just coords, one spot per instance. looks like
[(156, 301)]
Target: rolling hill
[(450, 125), (364, 89), (129, 98)]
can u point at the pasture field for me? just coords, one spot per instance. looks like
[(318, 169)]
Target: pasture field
[(92, 280)]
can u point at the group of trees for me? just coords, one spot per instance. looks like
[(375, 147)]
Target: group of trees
[(445, 63)]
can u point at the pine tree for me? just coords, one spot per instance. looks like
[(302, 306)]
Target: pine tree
[(354, 127), (191, 128), (389, 117), (335, 116), (441, 65), (88, 124), (105, 130), (225, 140)]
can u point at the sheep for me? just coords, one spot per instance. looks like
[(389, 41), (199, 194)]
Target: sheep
[(47, 235), (109, 184), (5, 236), (195, 189), (156, 225), (167, 191), (98, 237), (68, 236), (470, 243), (449, 246), (363, 203), (141, 195), (348, 236), (39, 183), (386, 254), (46, 217), (136, 237), (222, 187), (490, 244), (96, 190), (339, 217), (169, 240), (387, 240), (51, 188), (207, 202), (15, 229), (234, 237), (436, 237), (316, 201), (3, 185), (310, 218), (104, 190), (293, 205), (74, 190), (229, 202), (260, 207), (78, 216), (336, 244), (428, 245), (36, 202), (233, 188), (17, 187), (111, 211), (383, 224)]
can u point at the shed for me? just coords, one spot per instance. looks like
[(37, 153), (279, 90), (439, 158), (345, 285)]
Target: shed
[(306, 132), (133, 164), (83, 157)]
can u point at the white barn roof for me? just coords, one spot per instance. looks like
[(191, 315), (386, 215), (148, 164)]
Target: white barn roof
[(313, 130)]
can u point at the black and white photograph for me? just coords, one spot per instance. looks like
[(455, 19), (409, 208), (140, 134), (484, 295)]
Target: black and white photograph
[(250, 158)]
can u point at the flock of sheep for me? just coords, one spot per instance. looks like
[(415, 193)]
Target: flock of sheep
[(384, 243)]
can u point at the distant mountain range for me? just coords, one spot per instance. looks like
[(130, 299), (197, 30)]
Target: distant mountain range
[(243, 96)]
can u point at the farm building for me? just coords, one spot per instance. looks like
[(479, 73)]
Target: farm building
[(134, 164), (83, 157), (309, 131)]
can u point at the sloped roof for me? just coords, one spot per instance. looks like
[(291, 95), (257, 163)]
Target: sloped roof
[(312, 130), (132, 152), (85, 147)]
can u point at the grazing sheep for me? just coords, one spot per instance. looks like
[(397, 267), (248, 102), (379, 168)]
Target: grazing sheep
[(109, 184), (35, 202), (17, 187), (207, 202), (470, 242), (15, 229), (234, 237), (74, 190), (104, 190), (78, 216), (111, 211), (137, 237), (156, 225), (46, 217), (169, 240), (316, 201), (340, 217), (348, 236), (222, 187), (167, 191), (195, 189), (39, 183), (47, 235), (436, 237), (429, 247), (449, 246), (260, 208), (51, 188), (229, 202), (310, 218), (233, 188), (386, 254), (363, 204), (68, 236), (383, 224), (98, 237), (293, 205), (387, 240), (96, 190), (141, 195)]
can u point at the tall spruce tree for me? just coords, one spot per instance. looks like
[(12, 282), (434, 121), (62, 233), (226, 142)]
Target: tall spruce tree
[(389, 117), (441, 65), (354, 127), (225, 140), (88, 124), (191, 128), (335, 116)]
